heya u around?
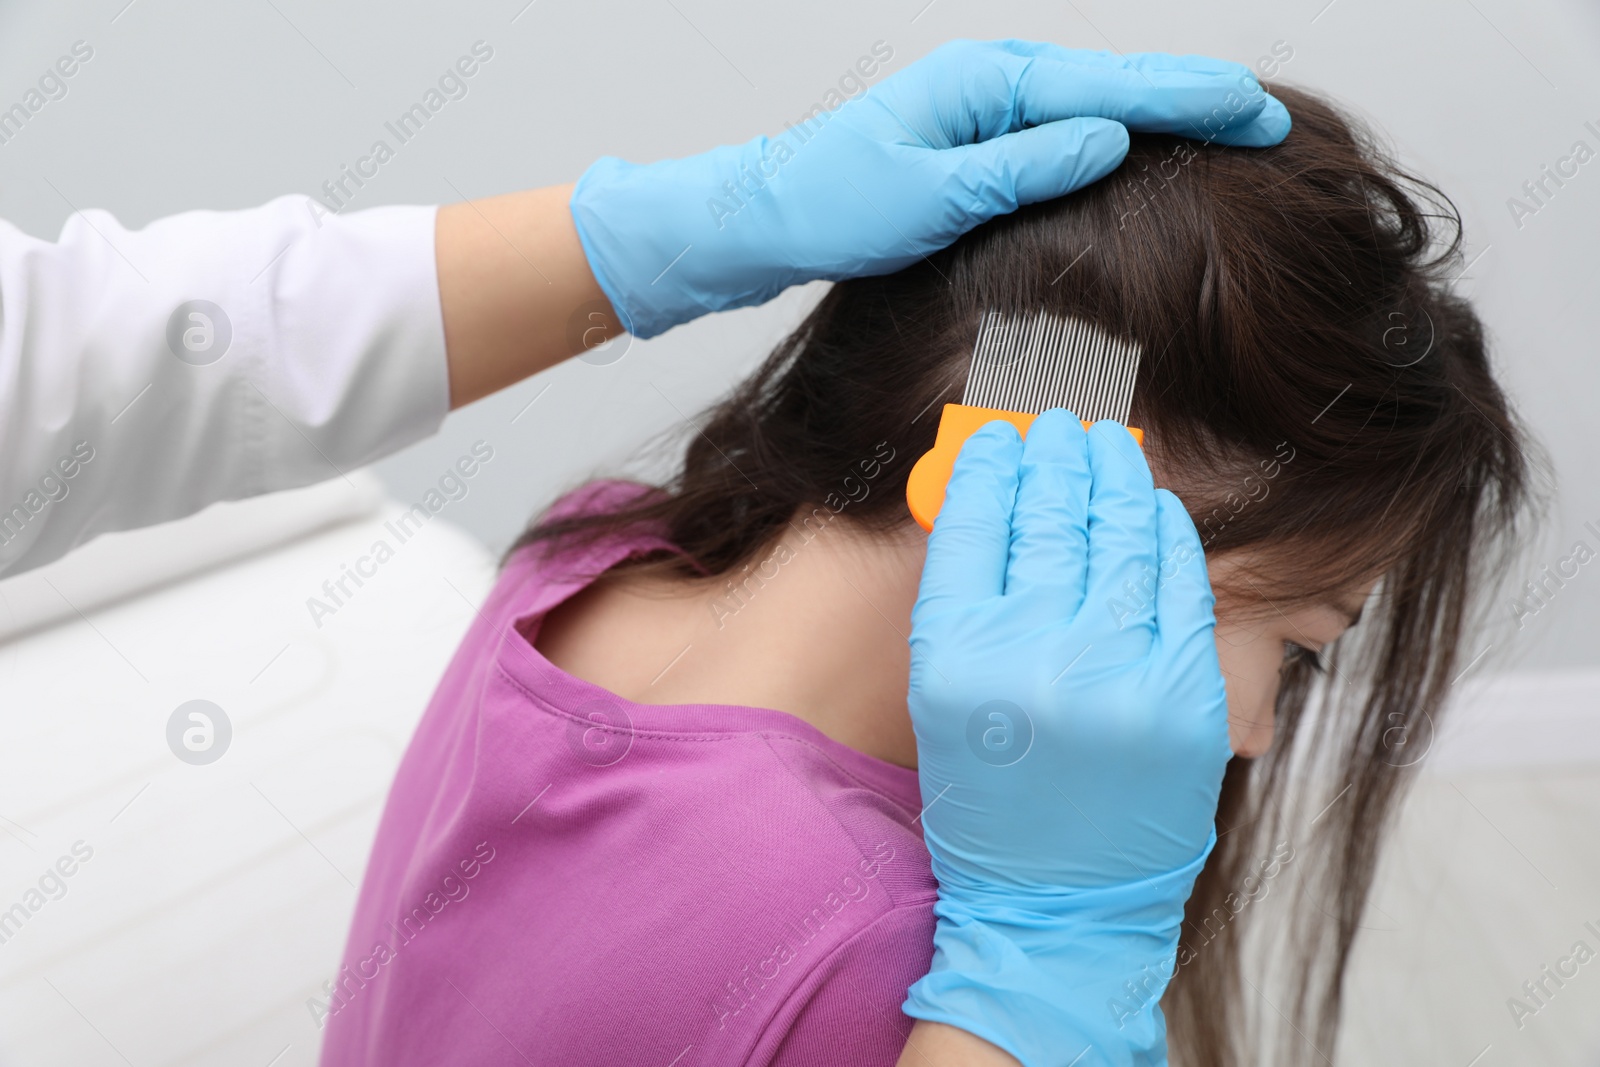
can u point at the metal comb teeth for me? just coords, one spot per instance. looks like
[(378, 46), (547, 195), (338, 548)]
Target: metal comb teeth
[(1031, 363)]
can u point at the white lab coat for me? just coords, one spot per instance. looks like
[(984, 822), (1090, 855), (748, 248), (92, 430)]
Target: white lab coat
[(109, 419)]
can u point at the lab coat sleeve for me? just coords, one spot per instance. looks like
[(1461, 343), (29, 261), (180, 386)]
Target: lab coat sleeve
[(209, 356)]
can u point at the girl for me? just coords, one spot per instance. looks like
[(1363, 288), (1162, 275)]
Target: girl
[(663, 808)]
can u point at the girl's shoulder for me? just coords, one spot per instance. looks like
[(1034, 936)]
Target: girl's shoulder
[(598, 496), (576, 560)]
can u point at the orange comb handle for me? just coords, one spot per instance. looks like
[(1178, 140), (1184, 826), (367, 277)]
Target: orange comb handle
[(926, 484)]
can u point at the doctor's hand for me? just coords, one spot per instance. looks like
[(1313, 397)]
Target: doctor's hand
[(965, 134), (1072, 735)]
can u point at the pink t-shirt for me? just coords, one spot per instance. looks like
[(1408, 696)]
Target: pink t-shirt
[(563, 877)]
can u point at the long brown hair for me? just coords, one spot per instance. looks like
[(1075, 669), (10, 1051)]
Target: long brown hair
[(1324, 398)]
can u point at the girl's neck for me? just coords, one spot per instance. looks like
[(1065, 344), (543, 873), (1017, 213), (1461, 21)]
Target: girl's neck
[(815, 626)]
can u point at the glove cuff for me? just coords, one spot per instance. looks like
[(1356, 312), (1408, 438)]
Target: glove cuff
[(1051, 976), (661, 241)]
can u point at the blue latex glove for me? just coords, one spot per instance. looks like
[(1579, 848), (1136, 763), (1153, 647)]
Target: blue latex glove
[(965, 134), (1072, 735)]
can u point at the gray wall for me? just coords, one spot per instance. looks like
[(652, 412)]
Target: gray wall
[(187, 104)]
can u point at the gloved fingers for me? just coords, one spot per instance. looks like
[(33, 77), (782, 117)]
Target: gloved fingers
[(1146, 61), (971, 538), (1186, 627), (1270, 126), (1050, 530), (1040, 163), (1184, 601), (1198, 105), (969, 91), (1148, 92), (1263, 119), (1123, 572)]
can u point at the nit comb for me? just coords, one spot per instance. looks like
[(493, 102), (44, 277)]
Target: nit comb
[(1022, 366)]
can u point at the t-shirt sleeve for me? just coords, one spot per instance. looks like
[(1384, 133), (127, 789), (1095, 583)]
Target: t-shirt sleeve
[(848, 1008)]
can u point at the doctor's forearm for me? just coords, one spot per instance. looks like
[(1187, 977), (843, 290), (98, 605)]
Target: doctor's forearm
[(515, 290)]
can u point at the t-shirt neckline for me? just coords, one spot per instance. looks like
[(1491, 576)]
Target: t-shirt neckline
[(571, 697)]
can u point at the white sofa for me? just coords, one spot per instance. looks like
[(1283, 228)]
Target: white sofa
[(216, 898)]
